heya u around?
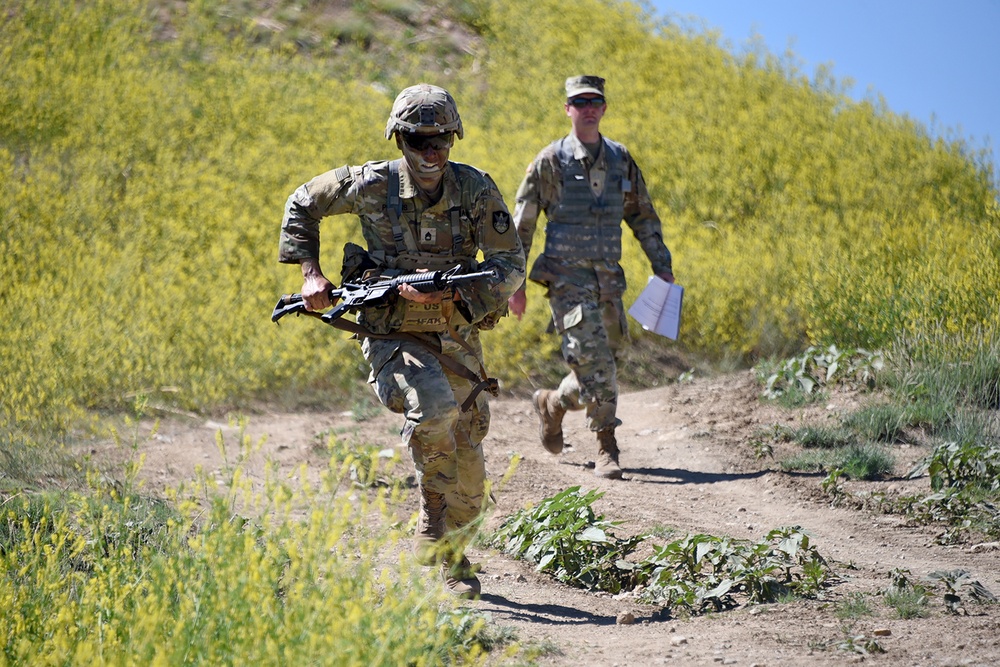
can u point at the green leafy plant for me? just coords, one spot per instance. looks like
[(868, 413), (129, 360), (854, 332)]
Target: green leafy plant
[(957, 465), (832, 485), (859, 643), (701, 571), (761, 448), (564, 536), (957, 581), (817, 367)]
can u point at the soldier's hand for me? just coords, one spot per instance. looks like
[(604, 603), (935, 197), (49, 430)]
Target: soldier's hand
[(315, 287), (316, 293), (517, 302), (411, 293), (666, 275)]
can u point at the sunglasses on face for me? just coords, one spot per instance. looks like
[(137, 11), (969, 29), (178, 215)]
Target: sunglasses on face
[(584, 102), (420, 142)]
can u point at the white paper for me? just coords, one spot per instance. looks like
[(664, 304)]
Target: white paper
[(658, 308)]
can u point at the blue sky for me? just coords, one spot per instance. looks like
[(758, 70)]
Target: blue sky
[(937, 61)]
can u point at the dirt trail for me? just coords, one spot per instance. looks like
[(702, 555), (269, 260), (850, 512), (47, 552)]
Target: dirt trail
[(688, 468)]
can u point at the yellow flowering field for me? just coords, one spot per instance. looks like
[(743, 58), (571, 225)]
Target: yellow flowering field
[(143, 179), (265, 571)]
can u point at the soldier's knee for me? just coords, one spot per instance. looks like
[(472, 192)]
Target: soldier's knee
[(439, 417)]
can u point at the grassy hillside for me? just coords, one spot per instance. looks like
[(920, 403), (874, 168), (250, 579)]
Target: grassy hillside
[(146, 153)]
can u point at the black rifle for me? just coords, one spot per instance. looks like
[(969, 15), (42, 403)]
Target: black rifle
[(376, 292)]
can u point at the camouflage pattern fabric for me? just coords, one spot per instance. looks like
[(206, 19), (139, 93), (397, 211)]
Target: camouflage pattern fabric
[(593, 333), (541, 190), (362, 190), (585, 295), (424, 109), (444, 442)]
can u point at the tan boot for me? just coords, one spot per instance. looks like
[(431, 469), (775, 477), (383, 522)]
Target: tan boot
[(550, 416), (606, 465), (430, 526), (461, 579)]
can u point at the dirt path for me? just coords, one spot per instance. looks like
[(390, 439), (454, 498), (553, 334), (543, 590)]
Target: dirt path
[(688, 468)]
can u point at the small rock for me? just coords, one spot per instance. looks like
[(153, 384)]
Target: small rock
[(678, 641), (521, 579), (741, 509), (882, 632), (625, 618)]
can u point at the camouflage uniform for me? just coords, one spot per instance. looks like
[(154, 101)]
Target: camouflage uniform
[(580, 267), (470, 217)]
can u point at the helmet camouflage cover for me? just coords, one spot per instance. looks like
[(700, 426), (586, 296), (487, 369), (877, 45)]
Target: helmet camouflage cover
[(424, 109)]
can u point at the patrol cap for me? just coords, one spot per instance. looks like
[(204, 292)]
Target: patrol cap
[(586, 83), (424, 109)]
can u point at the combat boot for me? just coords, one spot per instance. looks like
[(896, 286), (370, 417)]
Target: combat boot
[(430, 526), (461, 578), (550, 416), (606, 465)]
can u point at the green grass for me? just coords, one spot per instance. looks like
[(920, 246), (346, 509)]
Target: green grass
[(858, 461), (823, 437), (880, 422), (853, 607), (252, 570), (907, 601)]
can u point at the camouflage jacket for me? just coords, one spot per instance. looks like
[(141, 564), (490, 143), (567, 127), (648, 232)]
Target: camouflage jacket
[(541, 190), (363, 190)]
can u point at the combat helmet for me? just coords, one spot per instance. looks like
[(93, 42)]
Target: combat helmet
[(424, 109)]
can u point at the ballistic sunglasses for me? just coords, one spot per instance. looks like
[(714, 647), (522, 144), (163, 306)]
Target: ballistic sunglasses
[(438, 142), (584, 102)]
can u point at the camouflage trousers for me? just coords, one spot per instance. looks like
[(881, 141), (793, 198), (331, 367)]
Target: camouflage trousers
[(593, 332), (445, 443)]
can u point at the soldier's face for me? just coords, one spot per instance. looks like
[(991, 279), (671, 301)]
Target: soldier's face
[(426, 156), (586, 111)]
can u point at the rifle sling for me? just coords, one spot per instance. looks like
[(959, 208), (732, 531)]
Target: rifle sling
[(480, 382)]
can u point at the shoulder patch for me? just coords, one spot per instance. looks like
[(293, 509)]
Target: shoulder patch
[(501, 221)]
